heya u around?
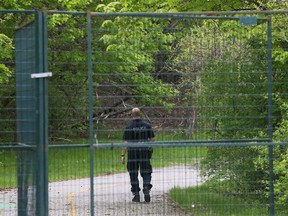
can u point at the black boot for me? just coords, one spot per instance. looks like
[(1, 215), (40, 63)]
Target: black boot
[(146, 193), (136, 198)]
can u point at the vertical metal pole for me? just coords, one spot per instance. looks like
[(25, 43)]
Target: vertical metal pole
[(39, 148), (41, 118), (91, 128), (45, 112), (270, 128)]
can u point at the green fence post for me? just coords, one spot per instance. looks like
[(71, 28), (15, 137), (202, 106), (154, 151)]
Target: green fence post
[(41, 116), (270, 127), (91, 128)]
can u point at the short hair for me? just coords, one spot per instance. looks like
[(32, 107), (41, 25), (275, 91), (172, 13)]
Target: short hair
[(135, 112)]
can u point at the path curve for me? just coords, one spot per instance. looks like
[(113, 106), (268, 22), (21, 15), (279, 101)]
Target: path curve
[(112, 195)]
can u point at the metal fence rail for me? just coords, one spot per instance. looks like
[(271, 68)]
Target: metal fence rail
[(209, 84)]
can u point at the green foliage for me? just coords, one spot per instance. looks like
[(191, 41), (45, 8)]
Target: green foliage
[(221, 66), (67, 57), (240, 165), (49, 4), (5, 56), (6, 77), (110, 7), (131, 43), (185, 6), (234, 56), (280, 171)]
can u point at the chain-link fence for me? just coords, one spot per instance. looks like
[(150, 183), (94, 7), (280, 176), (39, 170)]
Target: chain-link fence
[(213, 87)]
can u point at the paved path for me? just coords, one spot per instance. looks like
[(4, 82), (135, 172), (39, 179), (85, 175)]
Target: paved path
[(112, 195)]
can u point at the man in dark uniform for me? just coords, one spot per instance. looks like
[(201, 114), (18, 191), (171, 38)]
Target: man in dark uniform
[(138, 157)]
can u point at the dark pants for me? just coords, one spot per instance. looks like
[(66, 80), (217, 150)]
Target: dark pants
[(139, 159)]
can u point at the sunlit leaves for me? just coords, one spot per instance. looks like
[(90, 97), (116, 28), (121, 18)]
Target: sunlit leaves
[(5, 55)]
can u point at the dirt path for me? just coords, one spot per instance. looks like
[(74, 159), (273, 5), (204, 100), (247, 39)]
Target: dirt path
[(112, 195)]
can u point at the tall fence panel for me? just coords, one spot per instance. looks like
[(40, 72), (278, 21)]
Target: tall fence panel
[(18, 112), (205, 83), (25, 108), (25, 101)]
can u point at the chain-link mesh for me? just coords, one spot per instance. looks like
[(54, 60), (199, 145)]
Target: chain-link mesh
[(202, 82), (18, 122)]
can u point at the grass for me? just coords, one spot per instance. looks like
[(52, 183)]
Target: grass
[(8, 169), (201, 200), (73, 163)]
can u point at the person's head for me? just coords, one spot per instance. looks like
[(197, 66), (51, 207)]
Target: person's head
[(135, 113)]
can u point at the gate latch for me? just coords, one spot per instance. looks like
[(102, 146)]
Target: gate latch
[(41, 75)]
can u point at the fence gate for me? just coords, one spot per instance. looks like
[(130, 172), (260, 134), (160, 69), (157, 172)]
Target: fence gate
[(202, 88), (31, 106)]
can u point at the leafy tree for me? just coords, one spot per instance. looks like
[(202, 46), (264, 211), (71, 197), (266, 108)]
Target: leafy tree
[(231, 72), (9, 20), (5, 55)]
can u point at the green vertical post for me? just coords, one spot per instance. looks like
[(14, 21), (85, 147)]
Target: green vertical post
[(41, 117), (270, 127), (45, 113), (91, 128)]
